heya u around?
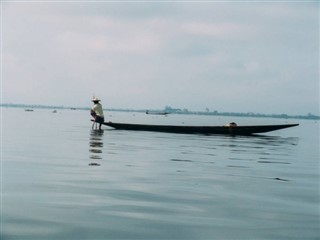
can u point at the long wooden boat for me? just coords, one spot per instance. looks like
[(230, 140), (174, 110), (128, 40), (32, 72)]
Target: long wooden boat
[(156, 113), (231, 129)]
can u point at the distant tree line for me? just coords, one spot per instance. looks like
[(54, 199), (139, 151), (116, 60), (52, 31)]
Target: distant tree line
[(171, 110)]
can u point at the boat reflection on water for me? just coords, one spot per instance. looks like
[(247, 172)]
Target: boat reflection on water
[(96, 146), (277, 142), (262, 142)]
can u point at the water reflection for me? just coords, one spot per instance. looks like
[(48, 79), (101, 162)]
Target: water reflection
[(260, 141), (260, 152), (96, 146), (277, 140)]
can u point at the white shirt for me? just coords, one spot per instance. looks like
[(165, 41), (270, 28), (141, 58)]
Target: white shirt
[(97, 108)]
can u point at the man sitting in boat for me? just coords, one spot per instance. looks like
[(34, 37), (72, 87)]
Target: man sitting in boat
[(97, 112), (232, 124)]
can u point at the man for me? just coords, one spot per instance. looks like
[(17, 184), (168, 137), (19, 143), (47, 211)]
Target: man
[(97, 112)]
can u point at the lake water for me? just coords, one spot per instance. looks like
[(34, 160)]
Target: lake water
[(62, 180)]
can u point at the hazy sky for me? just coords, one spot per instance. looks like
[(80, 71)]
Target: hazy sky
[(226, 56)]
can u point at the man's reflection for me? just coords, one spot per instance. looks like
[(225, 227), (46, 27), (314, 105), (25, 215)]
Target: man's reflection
[(96, 146)]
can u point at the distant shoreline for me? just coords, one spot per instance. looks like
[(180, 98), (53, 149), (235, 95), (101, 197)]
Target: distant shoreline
[(171, 111)]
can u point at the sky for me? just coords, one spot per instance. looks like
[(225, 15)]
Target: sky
[(232, 56)]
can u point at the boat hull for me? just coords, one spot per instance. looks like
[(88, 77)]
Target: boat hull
[(233, 130)]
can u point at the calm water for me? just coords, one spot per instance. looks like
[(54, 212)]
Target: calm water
[(61, 180)]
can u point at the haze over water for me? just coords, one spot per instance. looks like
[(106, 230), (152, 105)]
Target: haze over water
[(63, 180)]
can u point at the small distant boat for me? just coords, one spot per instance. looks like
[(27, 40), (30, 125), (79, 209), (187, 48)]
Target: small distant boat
[(29, 110), (156, 113), (230, 129)]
